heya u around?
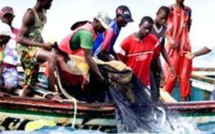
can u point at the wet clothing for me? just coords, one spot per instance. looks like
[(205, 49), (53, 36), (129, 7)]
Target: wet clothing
[(105, 41), (178, 29), (156, 63), (138, 55), (29, 53)]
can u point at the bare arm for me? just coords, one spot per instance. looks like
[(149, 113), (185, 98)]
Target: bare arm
[(202, 51), (27, 22), (106, 46), (164, 54), (91, 63), (106, 55)]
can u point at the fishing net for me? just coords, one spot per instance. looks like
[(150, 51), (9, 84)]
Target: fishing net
[(135, 111)]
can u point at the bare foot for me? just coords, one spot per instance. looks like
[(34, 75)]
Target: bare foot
[(57, 98), (54, 96), (24, 92)]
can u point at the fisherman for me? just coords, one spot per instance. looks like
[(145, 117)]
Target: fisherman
[(159, 30), (80, 43), (178, 44), (138, 50), (32, 48), (5, 35), (104, 45), (10, 73)]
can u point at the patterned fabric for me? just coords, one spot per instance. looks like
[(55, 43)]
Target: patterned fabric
[(1, 54), (10, 76), (10, 53), (10, 73), (28, 53)]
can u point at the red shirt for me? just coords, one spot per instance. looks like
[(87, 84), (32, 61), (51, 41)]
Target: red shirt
[(138, 55)]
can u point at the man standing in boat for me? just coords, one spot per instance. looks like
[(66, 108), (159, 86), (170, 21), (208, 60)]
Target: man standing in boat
[(104, 45), (32, 48), (138, 49), (10, 73), (159, 30), (178, 44)]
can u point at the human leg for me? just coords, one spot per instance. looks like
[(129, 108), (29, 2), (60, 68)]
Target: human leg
[(50, 57), (170, 80), (185, 75), (31, 69)]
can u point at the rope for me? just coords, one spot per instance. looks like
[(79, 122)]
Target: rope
[(71, 99)]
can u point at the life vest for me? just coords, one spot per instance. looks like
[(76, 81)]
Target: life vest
[(65, 43)]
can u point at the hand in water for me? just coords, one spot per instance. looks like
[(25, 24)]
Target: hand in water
[(189, 55)]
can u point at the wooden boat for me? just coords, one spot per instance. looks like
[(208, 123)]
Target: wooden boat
[(16, 113)]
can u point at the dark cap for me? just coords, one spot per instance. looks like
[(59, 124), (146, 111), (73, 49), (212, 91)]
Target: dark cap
[(125, 12), (7, 10)]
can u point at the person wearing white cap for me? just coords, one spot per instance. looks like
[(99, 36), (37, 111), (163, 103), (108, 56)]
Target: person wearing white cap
[(80, 43), (81, 40), (5, 35)]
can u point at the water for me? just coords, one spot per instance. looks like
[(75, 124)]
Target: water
[(184, 128)]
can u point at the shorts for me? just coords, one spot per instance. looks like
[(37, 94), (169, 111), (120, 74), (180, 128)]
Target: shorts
[(10, 76), (30, 66)]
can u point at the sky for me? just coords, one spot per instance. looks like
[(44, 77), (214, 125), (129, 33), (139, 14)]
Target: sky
[(64, 13)]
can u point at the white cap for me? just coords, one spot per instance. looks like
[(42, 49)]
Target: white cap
[(104, 19), (6, 30)]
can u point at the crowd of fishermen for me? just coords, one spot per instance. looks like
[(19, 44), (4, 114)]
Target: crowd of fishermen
[(167, 34)]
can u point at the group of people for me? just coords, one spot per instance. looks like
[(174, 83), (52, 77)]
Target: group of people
[(140, 51)]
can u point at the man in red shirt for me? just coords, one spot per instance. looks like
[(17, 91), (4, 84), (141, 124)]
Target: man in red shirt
[(138, 50)]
